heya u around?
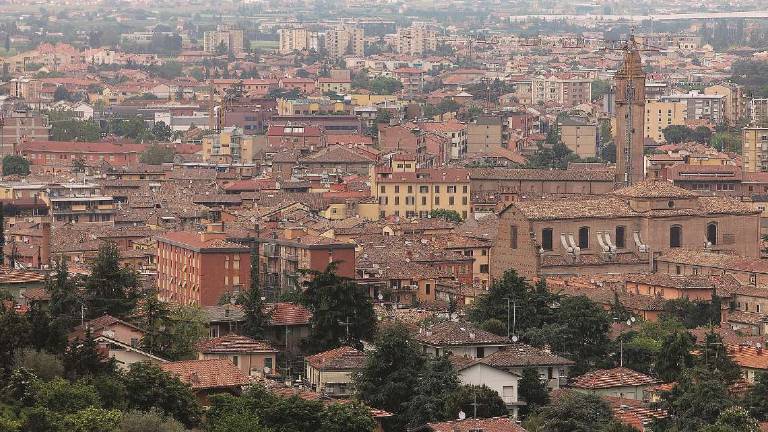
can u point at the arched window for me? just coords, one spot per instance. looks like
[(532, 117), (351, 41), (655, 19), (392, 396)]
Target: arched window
[(584, 238), (620, 237), (712, 233), (675, 236)]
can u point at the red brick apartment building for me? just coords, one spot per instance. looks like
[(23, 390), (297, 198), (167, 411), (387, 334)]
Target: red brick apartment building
[(58, 154), (197, 268)]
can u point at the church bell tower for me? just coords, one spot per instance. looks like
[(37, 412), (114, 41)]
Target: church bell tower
[(630, 117)]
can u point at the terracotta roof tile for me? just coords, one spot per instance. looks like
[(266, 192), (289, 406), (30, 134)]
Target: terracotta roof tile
[(608, 378), (207, 374), (284, 313), (495, 424), (234, 344), (342, 358), (451, 333)]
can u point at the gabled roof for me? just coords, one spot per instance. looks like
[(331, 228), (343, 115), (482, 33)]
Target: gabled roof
[(98, 325), (207, 374), (284, 313), (341, 358), (494, 424), (234, 344), (654, 188), (609, 378), (455, 333), (522, 355)]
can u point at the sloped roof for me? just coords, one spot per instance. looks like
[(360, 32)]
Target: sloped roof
[(654, 188), (520, 354), (207, 374), (494, 424), (456, 333), (608, 378), (341, 358), (234, 344)]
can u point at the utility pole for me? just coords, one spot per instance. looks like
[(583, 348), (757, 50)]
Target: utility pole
[(346, 325)]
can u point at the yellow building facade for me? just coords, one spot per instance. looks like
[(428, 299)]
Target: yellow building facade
[(660, 115)]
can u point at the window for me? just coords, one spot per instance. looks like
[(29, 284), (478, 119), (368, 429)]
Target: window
[(437, 189), (423, 200), (451, 189), (235, 360), (620, 237), (712, 233), (428, 288), (383, 189), (451, 200), (464, 189), (584, 238), (675, 236), (397, 189), (484, 268), (546, 239), (437, 200), (513, 237), (410, 189), (480, 352), (423, 189), (678, 270), (268, 362)]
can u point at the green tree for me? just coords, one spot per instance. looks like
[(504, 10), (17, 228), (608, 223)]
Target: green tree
[(434, 386), (494, 326), (676, 134), (347, 417), (66, 302), (702, 134), (600, 88), (252, 301), (334, 301), (44, 365), (532, 390), (696, 401), (489, 403), (532, 303), (112, 288), (83, 358), (13, 337), (674, 356), (161, 131), (734, 419), (21, 387), (756, 400), (390, 375), (449, 215), (149, 387), (150, 421), (230, 413), (15, 165), (715, 358), (174, 330), (75, 130), (157, 154), (92, 419), (692, 314), (62, 396), (576, 412)]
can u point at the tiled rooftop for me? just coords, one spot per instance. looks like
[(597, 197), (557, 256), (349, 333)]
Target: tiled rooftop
[(608, 378), (342, 358), (207, 374)]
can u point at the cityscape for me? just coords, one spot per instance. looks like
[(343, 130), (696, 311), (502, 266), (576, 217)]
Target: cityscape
[(383, 216)]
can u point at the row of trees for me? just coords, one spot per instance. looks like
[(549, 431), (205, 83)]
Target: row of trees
[(90, 130)]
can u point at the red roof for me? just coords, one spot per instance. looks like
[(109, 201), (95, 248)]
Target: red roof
[(207, 374), (495, 424), (234, 344), (285, 313), (80, 147), (251, 185), (197, 240), (616, 377), (344, 357)]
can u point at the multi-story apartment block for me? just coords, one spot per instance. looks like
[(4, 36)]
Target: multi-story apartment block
[(79, 203), (659, 115), (198, 268), (404, 190), (416, 40), (229, 145), (486, 134), (345, 40), (312, 105), (758, 112), (699, 106), (21, 126), (579, 135), (755, 149), (282, 257), (296, 39), (735, 104), (229, 37), (567, 90)]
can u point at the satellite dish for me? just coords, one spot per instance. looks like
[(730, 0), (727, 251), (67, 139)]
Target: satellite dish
[(515, 338), (633, 319), (462, 415)]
